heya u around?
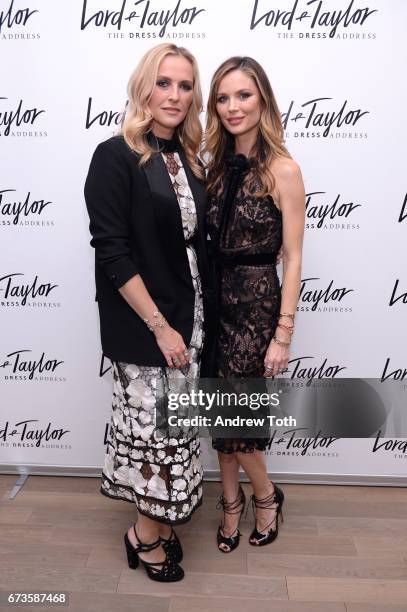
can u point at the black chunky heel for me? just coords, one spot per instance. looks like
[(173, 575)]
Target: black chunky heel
[(132, 556), (232, 541), (172, 547), (274, 501), (163, 571)]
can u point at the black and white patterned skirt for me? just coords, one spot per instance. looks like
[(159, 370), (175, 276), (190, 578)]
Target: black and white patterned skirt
[(162, 475)]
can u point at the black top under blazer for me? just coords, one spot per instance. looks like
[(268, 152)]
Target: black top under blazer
[(136, 228)]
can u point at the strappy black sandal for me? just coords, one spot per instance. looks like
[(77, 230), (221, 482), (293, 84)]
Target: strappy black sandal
[(164, 571), (232, 541), (273, 501), (172, 547)]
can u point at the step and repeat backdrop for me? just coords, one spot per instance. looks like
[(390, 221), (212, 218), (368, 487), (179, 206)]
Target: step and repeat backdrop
[(337, 68)]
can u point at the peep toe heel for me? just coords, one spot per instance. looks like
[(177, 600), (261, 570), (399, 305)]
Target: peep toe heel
[(237, 506)]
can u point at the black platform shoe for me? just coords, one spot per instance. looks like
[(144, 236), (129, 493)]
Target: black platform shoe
[(172, 547), (273, 501), (232, 541), (164, 571)]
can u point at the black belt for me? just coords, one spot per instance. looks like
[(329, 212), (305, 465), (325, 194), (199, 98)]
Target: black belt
[(230, 260)]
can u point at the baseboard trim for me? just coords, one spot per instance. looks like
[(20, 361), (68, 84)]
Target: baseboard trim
[(390, 480)]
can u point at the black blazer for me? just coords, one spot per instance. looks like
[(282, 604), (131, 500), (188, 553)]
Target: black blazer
[(136, 228)]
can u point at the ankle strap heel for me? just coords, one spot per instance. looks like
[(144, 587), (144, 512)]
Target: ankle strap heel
[(172, 547), (163, 571), (274, 501), (237, 506)]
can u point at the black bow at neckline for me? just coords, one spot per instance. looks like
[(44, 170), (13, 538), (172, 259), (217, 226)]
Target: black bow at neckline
[(239, 163)]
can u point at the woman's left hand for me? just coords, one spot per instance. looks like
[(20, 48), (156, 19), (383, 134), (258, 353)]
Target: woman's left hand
[(276, 359)]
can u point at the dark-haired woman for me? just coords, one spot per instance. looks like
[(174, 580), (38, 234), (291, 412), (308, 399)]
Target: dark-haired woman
[(256, 206)]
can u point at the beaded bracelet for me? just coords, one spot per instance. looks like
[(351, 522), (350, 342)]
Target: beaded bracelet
[(158, 322)]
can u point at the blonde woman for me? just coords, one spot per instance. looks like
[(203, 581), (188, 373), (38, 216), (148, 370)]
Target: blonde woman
[(256, 205), (146, 199)]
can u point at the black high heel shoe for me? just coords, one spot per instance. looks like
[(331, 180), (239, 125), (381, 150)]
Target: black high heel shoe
[(232, 541), (273, 501), (164, 571), (172, 547)]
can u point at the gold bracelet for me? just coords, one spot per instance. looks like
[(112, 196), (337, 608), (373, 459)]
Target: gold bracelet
[(281, 343), (287, 314), (289, 328), (159, 321)]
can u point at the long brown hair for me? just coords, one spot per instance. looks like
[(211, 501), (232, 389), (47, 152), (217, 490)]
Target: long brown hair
[(270, 139), (138, 118)]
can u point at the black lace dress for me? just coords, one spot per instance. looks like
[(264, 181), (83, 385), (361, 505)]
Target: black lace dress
[(245, 236)]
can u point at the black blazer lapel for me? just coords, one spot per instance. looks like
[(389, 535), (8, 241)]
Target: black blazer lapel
[(167, 215)]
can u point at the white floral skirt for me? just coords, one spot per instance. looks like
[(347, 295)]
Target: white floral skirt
[(161, 474)]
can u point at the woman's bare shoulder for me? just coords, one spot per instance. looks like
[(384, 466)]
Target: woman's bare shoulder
[(285, 168)]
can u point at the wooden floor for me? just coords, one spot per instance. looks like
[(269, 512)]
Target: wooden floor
[(340, 549)]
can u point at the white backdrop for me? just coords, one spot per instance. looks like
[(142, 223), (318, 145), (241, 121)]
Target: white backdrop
[(337, 69)]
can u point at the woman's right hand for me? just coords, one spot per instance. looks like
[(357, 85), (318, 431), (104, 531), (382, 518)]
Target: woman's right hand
[(172, 346)]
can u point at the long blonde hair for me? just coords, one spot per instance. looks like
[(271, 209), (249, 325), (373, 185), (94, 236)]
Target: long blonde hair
[(270, 139), (138, 118)]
